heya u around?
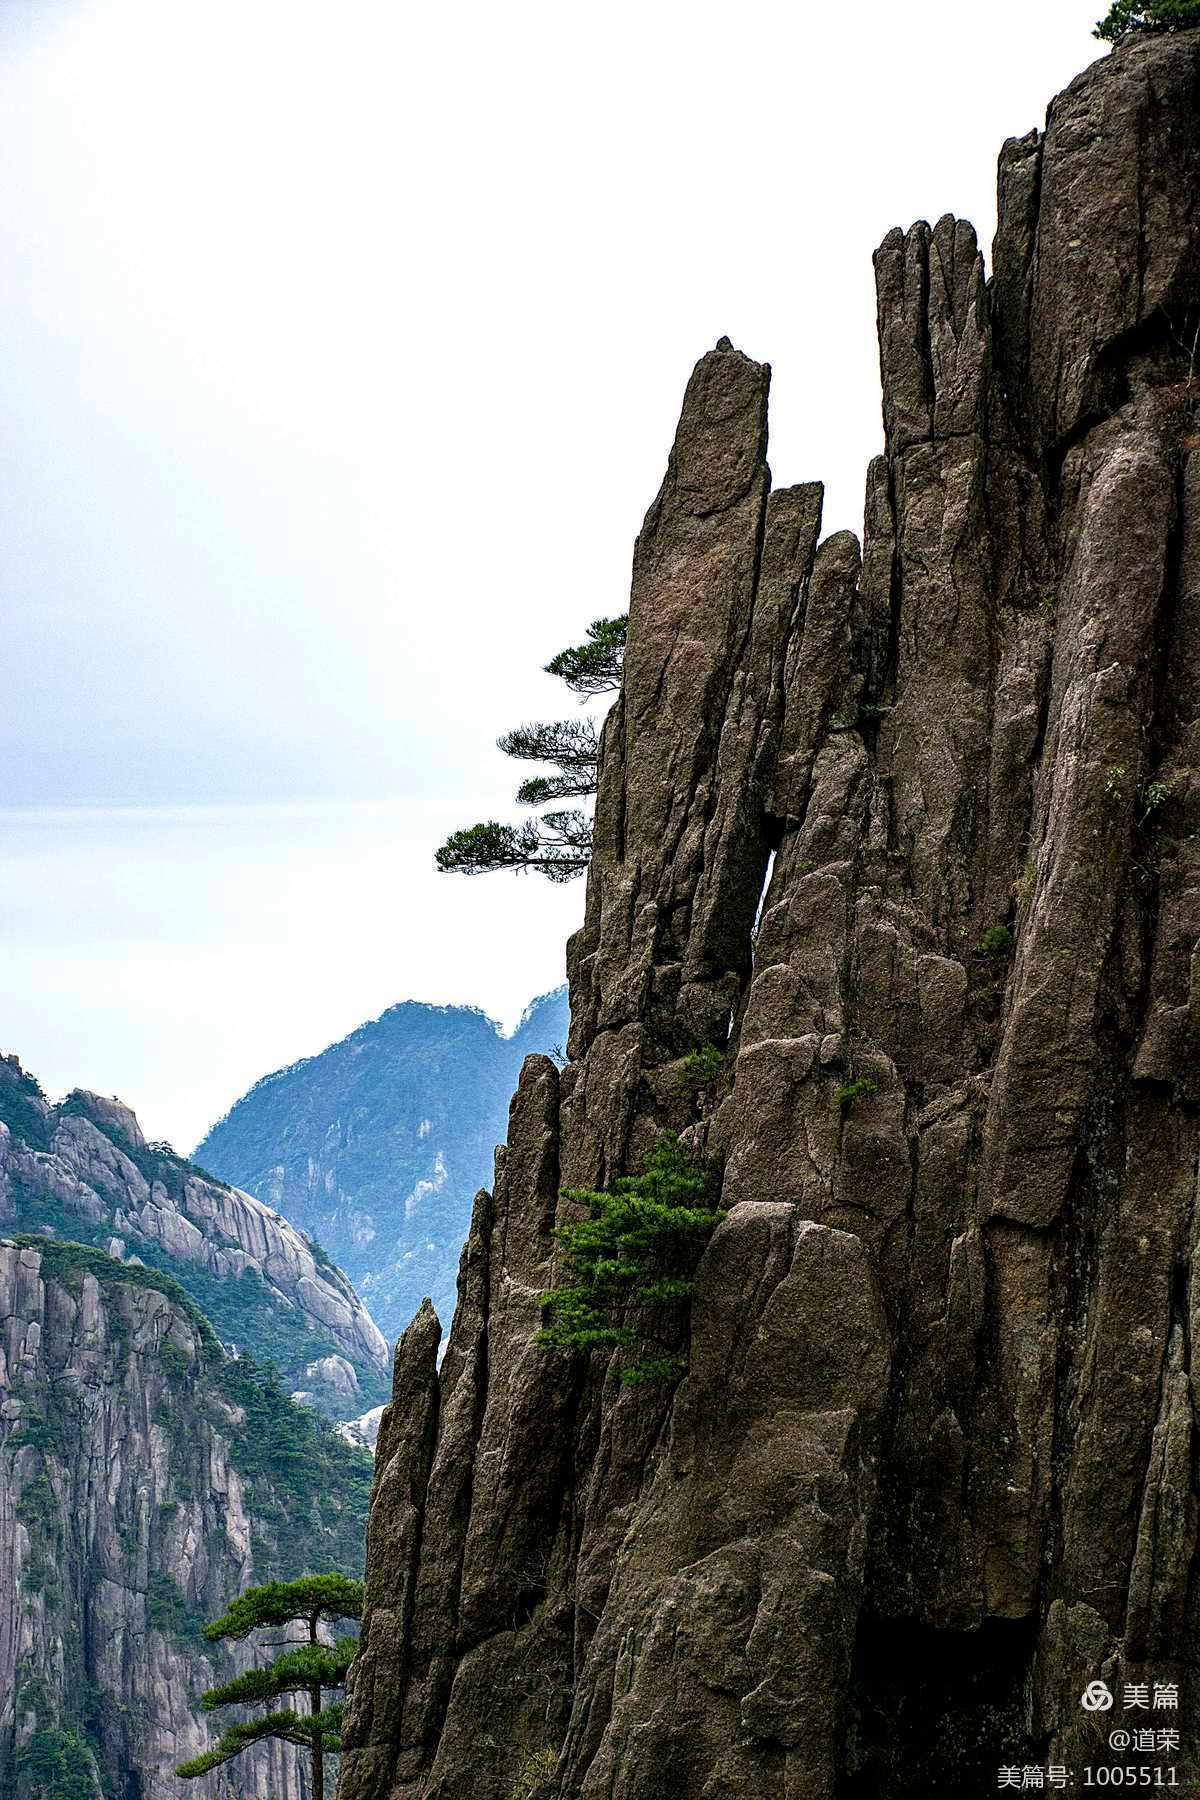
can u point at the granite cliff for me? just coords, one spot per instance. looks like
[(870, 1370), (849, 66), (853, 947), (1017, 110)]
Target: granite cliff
[(83, 1170), (913, 830), (145, 1479)]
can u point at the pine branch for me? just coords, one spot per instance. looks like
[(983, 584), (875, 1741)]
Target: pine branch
[(301, 1669), (285, 1602), (569, 743), (558, 846), (291, 1727), (594, 667), (1128, 16)]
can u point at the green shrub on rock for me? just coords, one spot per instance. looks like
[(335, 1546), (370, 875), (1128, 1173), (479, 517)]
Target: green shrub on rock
[(700, 1069), (535, 1772), (167, 1610), (59, 1764), (854, 1090), (631, 1258), (1128, 16)]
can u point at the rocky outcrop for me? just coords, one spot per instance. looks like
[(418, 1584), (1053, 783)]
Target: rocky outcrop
[(363, 1431), (910, 831), (84, 1170), (137, 1497)]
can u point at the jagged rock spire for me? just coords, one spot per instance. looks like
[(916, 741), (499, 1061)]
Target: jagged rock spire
[(935, 1441)]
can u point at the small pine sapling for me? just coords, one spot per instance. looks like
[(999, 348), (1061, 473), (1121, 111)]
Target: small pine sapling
[(854, 1090), (997, 941), (700, 1069)]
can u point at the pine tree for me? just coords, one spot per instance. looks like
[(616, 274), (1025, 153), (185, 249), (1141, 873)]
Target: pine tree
[(310, 1668), (557, 844), (1128, 16), (594, 667), (630, 1263), (571, 745)]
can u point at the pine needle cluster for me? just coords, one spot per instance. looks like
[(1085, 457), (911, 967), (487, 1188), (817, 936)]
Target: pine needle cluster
[(630, 1264), (594, 667), (1127, 16)]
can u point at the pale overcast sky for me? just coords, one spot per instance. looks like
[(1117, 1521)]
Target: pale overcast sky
[(342, 348)]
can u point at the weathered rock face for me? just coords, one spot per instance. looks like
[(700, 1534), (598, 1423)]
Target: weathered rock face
[(932, 1467), (84, 1170), (133, 1507)]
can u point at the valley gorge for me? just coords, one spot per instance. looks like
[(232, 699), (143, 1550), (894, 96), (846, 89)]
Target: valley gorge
[(904, 838), (147, 1478), (155, 1325)]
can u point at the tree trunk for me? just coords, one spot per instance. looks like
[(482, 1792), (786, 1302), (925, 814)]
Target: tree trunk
[(318, 1753)]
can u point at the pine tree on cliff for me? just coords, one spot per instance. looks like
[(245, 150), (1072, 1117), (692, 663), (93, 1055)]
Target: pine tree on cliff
[(594, 667), (628, 1265), (310, 1668), (558, 844), (1127, 16)]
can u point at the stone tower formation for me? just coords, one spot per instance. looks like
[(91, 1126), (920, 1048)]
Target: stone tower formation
[(923, 816)]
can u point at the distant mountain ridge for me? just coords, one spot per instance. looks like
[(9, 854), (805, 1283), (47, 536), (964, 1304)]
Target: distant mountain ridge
[(82, 1171), (378, 1145)]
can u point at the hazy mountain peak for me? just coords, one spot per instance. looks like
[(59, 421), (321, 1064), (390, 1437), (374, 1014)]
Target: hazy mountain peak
[(378, 1144)]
